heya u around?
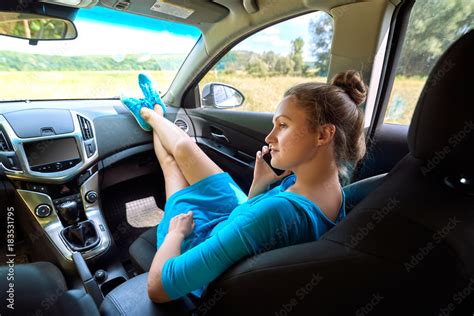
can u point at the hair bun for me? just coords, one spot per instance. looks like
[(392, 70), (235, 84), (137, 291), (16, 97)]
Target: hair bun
[(351, 82)]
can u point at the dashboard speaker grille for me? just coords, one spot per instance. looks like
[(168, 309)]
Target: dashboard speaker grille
[(4, 145), (86, 127)]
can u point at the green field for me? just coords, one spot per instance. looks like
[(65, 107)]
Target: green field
[(262, 94)]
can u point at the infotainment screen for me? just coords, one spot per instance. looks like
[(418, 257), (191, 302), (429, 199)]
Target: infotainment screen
[(51, 151)]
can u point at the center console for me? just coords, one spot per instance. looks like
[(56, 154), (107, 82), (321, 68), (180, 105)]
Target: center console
[(51, 156)]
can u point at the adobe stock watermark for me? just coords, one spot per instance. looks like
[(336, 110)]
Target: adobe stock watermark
[(453, 142), (300, 294), (48, 302), (277, 237), (205, 307), (10, 258), (437, 237), (441, 72), (370, 306), (376, 218), (457, 299)]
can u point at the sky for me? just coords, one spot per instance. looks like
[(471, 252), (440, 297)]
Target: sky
[(150, 36), (279, 36)]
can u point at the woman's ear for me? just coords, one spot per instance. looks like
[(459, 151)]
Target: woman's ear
[(326, 134)]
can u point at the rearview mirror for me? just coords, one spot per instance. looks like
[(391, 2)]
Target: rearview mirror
[(221, 96), (36, 27)]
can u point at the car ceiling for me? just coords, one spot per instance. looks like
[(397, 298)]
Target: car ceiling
[(206, 12)]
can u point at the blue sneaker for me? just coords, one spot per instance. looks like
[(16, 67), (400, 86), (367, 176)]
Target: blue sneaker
[(134, 105), (149, 91), (152, 97)]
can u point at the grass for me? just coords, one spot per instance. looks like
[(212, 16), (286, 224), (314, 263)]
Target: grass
[(262, 94), (402, 102), (75, 84)]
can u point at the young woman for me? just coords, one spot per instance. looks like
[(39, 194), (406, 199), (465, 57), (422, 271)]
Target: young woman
[(209, 223)]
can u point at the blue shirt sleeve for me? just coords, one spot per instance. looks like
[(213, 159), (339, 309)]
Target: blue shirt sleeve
[(268, 224)]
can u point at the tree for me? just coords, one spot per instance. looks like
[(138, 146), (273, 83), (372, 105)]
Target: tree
[(428, 36), (433, 26), (257, 66), (284, 65), (270, 58), (296, 54), (320, 28)]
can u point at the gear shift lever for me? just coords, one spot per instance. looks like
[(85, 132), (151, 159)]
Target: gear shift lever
[(70, 212), (80, 236)]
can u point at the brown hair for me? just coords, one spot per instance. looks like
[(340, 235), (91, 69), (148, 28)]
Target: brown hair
[(337, 103)]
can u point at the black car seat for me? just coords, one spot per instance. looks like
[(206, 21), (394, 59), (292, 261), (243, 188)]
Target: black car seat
[(406, 249), (40, 289)]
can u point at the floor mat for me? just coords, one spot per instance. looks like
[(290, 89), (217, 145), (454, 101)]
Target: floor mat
[(143, 213), (144, 199)]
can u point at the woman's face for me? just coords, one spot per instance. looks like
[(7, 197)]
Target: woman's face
[(291, 140)]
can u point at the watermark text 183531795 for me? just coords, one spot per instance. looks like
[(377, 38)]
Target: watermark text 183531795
[(10, 257)]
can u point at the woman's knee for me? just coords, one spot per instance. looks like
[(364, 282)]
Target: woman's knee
[(184, 148)]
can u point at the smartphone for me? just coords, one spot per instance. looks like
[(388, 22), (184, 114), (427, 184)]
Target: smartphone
[(268, 157)]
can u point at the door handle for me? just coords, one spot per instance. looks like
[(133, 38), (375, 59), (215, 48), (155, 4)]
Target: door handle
[(220, 137)]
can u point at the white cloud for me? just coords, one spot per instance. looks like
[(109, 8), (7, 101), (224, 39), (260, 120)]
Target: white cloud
[(272, 30)]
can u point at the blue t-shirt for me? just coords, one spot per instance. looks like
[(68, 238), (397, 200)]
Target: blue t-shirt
[(271, 220)]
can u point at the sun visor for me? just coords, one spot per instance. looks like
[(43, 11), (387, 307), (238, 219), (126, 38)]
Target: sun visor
[(188, 12), (72, 3)]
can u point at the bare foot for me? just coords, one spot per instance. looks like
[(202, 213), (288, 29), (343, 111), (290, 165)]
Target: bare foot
[(158, 109), (146, 113)]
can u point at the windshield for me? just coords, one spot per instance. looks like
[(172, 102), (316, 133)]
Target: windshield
[(112, 47)]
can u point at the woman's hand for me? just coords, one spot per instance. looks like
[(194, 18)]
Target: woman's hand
[(263, 174), (182, 224)]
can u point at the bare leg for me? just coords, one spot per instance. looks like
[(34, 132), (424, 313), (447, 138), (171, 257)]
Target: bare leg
[(194, 164), (174, 178)]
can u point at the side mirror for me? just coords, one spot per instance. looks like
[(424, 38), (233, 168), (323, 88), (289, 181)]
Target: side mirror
[(36, 27), (221, 96)]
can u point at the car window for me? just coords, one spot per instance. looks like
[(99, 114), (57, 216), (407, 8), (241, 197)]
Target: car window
[(112, 47), (263, 66), (433, 26)]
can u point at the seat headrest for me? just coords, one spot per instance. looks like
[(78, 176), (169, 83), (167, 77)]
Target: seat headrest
[(442, 127)]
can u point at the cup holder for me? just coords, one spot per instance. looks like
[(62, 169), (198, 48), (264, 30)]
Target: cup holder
[(111, 284)]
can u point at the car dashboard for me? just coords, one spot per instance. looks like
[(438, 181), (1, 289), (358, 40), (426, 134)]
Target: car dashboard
[(52, 151)]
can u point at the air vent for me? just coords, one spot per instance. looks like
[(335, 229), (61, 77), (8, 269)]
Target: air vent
[(122, 5), (4, 144), (86, 127), (182, 124)]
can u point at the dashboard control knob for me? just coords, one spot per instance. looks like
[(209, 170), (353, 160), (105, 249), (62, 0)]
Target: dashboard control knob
[(43, 210), (91, 196)]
